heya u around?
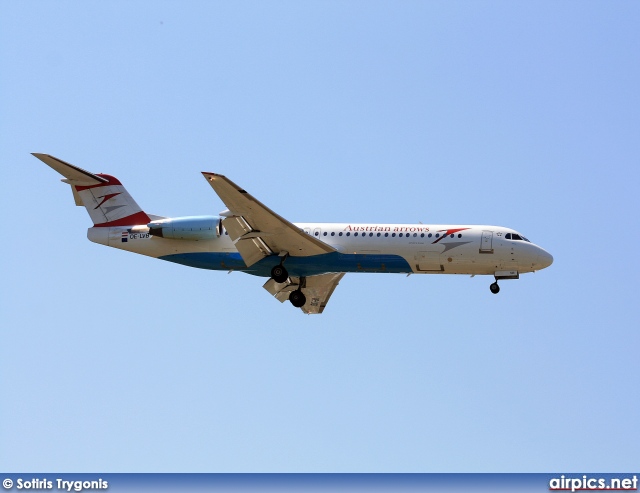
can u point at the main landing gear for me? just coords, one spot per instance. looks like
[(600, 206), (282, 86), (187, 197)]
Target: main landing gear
[(495, 289), (297, 298), (279, 273)]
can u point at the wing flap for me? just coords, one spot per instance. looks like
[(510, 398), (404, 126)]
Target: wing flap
[(252, 250), (281, 290), (237, 227)]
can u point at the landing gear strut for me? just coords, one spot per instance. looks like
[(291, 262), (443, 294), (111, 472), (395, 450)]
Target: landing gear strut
[(279, 273), (297, 298), (495, 289)]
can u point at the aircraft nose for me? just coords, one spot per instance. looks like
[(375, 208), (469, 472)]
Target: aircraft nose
[(545, 259)]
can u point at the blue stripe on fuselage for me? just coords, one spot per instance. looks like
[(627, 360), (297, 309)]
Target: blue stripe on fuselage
[(297, 266)]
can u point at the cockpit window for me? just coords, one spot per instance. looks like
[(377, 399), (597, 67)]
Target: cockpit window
[(515, 236)]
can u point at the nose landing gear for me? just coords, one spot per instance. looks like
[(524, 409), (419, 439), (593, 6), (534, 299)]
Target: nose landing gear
[(500, 275)]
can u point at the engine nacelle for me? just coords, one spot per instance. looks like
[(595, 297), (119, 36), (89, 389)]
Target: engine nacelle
[(187, 228)]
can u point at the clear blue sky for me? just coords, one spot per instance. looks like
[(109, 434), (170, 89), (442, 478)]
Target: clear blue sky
[(520, 114)]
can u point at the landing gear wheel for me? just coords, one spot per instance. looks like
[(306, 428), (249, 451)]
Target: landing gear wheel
[(495, 289), (297, 298), (279, 273)]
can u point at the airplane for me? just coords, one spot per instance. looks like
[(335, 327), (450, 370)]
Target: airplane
[(303, 262)]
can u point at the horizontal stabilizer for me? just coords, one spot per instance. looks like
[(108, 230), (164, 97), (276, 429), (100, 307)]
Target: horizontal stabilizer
[(75, 175)]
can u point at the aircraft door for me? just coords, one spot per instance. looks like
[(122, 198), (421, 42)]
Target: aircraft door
[(317, 232), (486, 242)]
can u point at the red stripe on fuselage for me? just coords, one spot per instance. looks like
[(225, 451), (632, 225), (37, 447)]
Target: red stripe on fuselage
[(449, 232)]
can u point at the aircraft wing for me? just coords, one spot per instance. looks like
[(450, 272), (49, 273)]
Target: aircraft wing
[(317, 290), (258, 231)]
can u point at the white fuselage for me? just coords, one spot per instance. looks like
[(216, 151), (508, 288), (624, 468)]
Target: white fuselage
[(407, 248)]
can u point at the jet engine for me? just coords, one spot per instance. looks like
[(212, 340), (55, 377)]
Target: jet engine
[(187, 228)]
